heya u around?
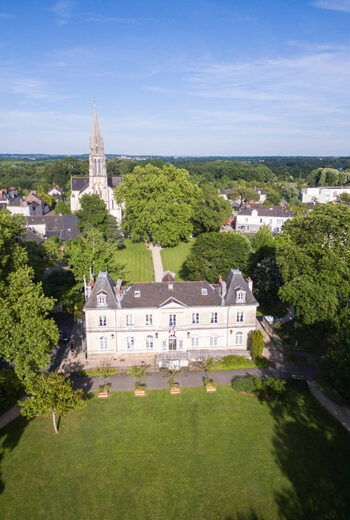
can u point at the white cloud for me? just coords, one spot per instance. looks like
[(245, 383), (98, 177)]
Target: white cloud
[(63, 11), (333, 5)]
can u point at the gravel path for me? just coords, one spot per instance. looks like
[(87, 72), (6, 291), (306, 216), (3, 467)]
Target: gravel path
[(157, 262)]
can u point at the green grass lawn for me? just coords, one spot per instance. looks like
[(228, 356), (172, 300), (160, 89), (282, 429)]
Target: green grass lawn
[(174, 257), (194, 456), (138, 262)]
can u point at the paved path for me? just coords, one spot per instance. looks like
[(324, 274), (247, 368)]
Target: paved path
[(157, 262), (341, 413), (9, 416)]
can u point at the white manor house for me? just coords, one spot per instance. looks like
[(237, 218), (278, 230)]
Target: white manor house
[(171, 322), (97, 183)]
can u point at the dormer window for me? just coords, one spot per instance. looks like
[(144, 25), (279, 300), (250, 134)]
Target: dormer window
[(101, 299), (204, 291), (170, 286), (240, 296), (137, 294)]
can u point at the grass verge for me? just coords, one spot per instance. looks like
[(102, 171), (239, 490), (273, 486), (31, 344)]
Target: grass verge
[(138, 262)]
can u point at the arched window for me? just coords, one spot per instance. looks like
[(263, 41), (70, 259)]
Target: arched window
[(103, 321), (103, 343), (149, 342), (239, 338)]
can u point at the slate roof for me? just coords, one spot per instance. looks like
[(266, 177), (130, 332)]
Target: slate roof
[(64, 227), (156, 294), (266, 211), (80, 183)]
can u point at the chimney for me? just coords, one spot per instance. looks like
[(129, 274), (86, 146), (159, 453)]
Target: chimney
[(117, 289), (250, 283)]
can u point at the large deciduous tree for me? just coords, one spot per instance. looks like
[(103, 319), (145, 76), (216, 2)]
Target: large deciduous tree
[(93, 214), (159, 204), (313, 254), (214, 254), (211, 210), (51, 393), (94, 252), (243, 194)]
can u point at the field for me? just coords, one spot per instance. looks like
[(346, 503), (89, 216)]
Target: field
[(194, 456), (138, 262), (174, 257)]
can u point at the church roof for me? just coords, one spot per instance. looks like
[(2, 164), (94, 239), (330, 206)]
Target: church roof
[(81, 183)]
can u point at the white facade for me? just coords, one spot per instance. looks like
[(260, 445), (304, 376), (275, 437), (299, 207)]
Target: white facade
[(170, 328), (323, 195), (97, 183), (250, 220)]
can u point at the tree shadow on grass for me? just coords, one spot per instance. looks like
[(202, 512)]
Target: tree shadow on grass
[(313, 452), (9, 438)]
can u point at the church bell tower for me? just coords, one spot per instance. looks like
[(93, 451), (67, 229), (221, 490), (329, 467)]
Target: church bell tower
[(98, 181)]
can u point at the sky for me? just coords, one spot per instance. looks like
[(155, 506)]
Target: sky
[(184, 77)]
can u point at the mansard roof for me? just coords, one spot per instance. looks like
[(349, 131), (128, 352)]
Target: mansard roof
[(157, 294)]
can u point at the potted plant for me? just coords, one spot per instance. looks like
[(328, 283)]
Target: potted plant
[(174, 388), (210, 385), (103, 391), (138, 373)]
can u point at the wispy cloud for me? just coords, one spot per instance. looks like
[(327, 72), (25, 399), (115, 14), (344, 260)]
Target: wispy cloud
[(63, 11), (99, 18), (333, 5), (31, 89)]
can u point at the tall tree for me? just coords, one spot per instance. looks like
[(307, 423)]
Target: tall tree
[(214, 254), (93, 214), (243, 194), (159, 204), (12, 255), (211, 210), (27, 335), (313, 254), (94, 252), (51, 393)]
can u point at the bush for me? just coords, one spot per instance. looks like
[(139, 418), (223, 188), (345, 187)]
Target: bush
[(137, 373), (97, 372), (10, 389), (210, 382), (244, 384), (103, 388), (256, 344), (270, 386), (233, 360)]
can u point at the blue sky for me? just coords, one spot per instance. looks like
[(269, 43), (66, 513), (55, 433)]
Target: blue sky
[(191, 77)]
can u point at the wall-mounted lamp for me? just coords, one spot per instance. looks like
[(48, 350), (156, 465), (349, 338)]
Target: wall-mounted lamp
[(188, 334), (156, 335), (112, 335), (231, 331)]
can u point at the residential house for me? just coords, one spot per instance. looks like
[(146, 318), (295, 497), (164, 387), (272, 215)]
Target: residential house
[(65, 227), (322, 195), (56, 192), (171, 322), (252, 217)]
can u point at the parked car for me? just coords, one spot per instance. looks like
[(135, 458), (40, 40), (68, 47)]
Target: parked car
[(63, 337)]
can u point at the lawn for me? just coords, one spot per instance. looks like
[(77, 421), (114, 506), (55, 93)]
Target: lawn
[(138, 262), (174, 257), (192, 456)]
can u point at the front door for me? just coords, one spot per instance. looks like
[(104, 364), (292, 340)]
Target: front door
[(172, 342)]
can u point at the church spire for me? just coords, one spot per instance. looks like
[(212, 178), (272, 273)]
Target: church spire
[(96, 141), (97, 159)]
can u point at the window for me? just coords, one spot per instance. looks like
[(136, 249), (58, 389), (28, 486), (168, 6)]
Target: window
[(170, 286), (130, 342), (213, 341), (240, 316), (204, 291), (129, 320), (148, 318), (137, 294), (103, 321), (214, 317), (172, 320), (240, 296), (103, 343), (261, 221), (195, 317), (239, 338), (149, 342), (101, 299), (195, 341)]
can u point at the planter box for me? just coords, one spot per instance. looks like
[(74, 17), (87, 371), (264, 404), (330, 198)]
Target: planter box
[(211, 388), (140, 393), (103, 395), (175, 390)]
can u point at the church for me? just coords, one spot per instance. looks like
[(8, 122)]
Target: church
[(97, 183)]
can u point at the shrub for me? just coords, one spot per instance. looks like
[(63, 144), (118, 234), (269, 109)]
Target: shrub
[(210, 382), (170, 376), (270, 386), (256, 344), (137, 373), (97, 372), (233, 360), (103, 388), (244, 384), (10, 389)]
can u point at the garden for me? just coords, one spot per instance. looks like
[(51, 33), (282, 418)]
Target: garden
[(137, 260), (238, 453)]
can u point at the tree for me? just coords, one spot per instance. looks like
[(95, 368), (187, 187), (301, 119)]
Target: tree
[(12, 255), (211, 210), (313, 254), (94, 252), (62, 208), (344, 197), (216, 253), (159, 204), (335, 365), (243, 195), (113, 232), (273, 198), (256, 344), (51, 393), (93, 214), (267, 280), (27, 335)]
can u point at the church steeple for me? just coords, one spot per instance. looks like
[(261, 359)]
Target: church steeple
[(97, 159)]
